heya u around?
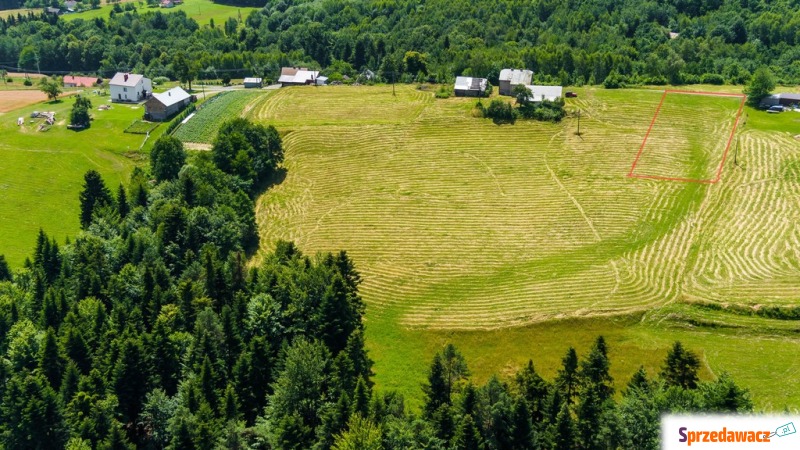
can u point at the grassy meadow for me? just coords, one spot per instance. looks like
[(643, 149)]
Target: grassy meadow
[(202, 11), (516, 241), (41, 172)]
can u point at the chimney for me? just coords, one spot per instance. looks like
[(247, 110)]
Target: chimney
[(126, 77)]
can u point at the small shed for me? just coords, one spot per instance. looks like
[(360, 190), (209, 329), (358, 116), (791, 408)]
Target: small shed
[(253, 83), (162, 106), (470, 87), (512, 77), (784, 98), (549, 93), (321, 81)]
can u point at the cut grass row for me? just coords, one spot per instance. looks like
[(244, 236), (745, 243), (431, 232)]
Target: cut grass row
[(481, 234), (204, 125)]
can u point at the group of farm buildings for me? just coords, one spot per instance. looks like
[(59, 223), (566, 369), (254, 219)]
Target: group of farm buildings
[(134, 88), (509, 79)]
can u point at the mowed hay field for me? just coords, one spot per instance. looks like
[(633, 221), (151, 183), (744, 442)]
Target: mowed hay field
[(41, 172), (515, 242), (689, 136)]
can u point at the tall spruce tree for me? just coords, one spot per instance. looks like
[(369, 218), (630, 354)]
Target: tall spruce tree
[(680, 368), (568, 378), (467, 436), (93, 196)]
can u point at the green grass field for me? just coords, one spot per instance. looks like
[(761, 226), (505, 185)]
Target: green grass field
[(41, 172), (201, 11), (515, 242), (203, 127)]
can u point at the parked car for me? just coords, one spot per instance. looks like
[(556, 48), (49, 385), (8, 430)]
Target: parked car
[(571, 94), (775, 109)]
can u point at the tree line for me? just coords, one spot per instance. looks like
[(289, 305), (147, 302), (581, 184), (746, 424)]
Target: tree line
[(569, 43)]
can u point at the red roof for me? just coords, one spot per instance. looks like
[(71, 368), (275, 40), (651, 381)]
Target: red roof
[(80, 81)]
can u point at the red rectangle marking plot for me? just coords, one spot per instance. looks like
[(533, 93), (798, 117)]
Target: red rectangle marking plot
[(664, 146)]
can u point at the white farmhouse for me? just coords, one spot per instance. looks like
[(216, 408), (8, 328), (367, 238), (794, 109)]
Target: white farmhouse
[(129, 87)]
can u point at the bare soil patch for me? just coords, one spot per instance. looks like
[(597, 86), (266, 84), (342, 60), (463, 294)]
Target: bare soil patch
[(11, 100)]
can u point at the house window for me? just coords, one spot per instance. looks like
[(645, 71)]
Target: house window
[(124, 89)]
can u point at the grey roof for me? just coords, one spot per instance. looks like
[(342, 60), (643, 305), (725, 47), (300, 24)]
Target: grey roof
[(789, 96), (516, 76), (172, 96), (539, 93), (470, 84), (119, 79)]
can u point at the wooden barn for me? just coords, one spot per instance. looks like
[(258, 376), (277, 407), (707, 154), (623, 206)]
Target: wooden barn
[(470, 87), (512, 77), (161, 107)]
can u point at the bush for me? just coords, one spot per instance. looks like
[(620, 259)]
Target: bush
[(27, 82), (712, 78), (545, 111), (479, 111), (689, 78), (444, 92), (500, 112), (9, 80), (160, 80), (614, 81), (79, 116)]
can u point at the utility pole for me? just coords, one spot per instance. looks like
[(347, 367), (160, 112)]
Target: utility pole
[(579, 122), (736, 152)]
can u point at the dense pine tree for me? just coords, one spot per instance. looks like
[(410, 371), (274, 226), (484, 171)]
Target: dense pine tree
[(93, 196), (680, 367)]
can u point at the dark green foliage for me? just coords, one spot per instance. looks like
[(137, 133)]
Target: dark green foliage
[(615, 81), (761, 85), (680, 368), (30, 414), (93, 196), (79, 115), (568, 379), (5, 271), (545, 110), (522, 431), (116, 440), (166, 158), (122, 202), (250, 151), (564, 429), (130, 380), (50, 362), (500, 111), (467, 435)]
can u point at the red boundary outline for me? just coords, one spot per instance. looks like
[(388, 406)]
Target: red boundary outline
[(727, 146)]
